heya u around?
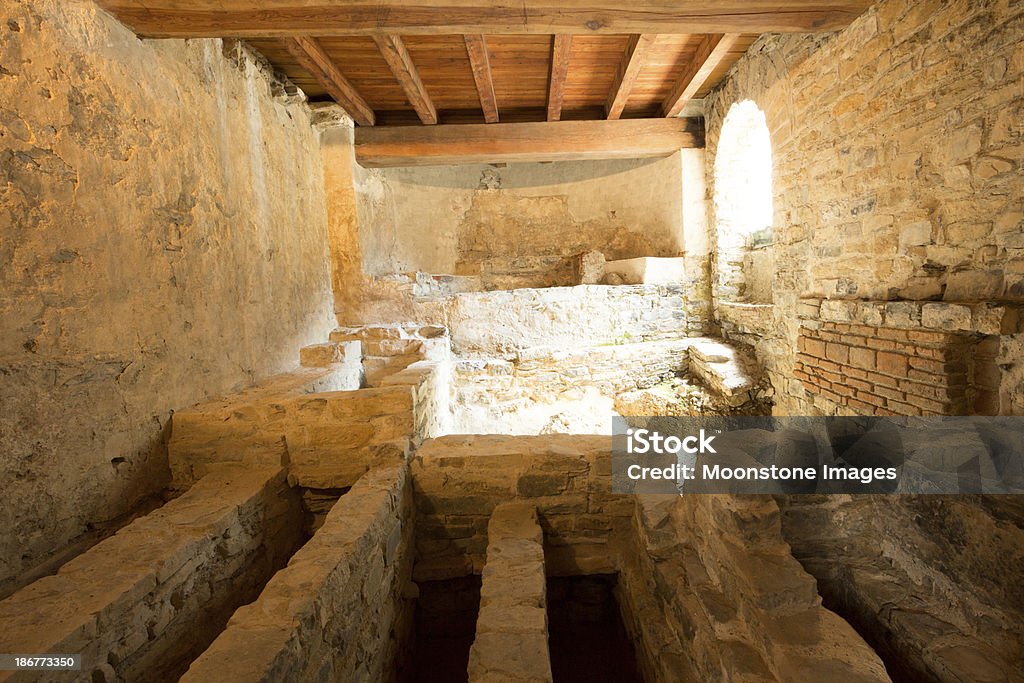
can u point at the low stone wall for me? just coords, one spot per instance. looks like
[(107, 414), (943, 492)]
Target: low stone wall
[(501, 323), (460, 480), (931, 581), (141, 604), (512, 627), (337, 611), (430, 385), (331, 437), (710, 592)]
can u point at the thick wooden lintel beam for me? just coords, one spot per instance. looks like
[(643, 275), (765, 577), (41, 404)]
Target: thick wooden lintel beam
[(311, 56), (281, 18), (480, 62), (400, 62), (561, 51), (710, 53), (524, 142), (628, 71)]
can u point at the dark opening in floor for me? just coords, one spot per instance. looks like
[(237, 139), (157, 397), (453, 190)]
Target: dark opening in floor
[(587, 639), (445, 626)]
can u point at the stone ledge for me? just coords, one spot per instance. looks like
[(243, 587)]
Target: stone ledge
[(980, 318)]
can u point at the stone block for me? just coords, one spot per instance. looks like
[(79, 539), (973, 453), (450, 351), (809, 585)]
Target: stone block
[(941, 316), (330, 353), (838, 311)]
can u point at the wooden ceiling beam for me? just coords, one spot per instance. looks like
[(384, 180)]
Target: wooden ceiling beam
[(400, 62), (710, 53), (628, 71), (282, 18), (524, 142), (311, 56), (480, 62), (561, 52)]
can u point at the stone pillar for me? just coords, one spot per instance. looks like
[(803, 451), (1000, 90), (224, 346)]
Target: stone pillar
[(337, 151)]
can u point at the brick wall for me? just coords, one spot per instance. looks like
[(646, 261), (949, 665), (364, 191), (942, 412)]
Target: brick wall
[(885, 371)]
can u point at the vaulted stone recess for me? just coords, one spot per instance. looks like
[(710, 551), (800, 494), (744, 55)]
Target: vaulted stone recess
[(315, 316)]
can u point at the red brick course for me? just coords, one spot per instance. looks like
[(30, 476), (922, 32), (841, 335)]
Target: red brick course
[(885, 371)]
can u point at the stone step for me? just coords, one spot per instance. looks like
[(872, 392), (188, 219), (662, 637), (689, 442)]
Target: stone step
[(723, 368), (138, 602), (377, 368)]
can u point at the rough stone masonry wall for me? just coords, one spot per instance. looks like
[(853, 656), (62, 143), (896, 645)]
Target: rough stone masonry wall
[(897, 148), (162, 239), (459, 480), (341, 609), (732, 605)]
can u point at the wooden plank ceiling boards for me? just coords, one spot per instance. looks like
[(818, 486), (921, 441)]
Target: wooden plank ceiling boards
[(401, 63)]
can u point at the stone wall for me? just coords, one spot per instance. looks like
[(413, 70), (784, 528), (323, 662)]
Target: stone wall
[(930, 581), (162, 240), (143, 603), (341, 610), (531, 393), (512, 627), (502, 323), (459, 480), (327, 440), (897, 151), (732, 605), (519, 222)]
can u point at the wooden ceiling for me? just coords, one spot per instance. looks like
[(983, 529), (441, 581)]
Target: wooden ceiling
[(520, 71), (396, 62), (418, 63)]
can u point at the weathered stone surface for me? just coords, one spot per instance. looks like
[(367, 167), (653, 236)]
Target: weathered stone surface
[(459, 480), (165, 584), (512, 626), (588, 268), (711, 592), (864, 210), (324, 355), (336, 611), (728, 370), (926, 579), (155, 198), (501, 323), (544, 385), (341, 432), (521, 225)]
